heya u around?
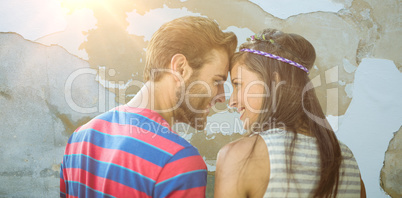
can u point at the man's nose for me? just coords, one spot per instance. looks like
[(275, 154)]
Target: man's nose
[(220, 97), (233, 101)]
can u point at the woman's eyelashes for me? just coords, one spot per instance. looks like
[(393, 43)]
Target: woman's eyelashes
[(236, 84)]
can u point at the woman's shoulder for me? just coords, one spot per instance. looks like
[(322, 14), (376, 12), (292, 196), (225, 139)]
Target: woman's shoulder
[(243, 165), (241, 148), (346, 151)]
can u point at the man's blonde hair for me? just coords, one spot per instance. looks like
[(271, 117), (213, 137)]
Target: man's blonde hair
[(194, 37)]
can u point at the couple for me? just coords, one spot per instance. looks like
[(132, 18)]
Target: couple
[(131, 151)]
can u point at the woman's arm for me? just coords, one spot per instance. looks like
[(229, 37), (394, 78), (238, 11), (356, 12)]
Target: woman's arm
[(242, 169)]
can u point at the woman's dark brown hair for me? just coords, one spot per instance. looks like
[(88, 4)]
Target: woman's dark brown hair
[(294, 103)]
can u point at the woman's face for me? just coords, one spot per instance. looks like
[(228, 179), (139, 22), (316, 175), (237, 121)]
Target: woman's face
[(248, 94)]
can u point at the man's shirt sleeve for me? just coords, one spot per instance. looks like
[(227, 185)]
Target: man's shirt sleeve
[(185, 175)]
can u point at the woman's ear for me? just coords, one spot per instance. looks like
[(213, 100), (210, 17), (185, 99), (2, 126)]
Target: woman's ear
[(180, 68)]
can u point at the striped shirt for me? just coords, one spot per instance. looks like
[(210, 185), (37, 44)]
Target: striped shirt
[(305, 166), (130, 152)]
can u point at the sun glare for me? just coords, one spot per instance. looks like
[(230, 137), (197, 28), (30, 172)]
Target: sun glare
[(77, 4)]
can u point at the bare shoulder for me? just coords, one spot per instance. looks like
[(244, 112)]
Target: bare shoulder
[(242, 168), (239, 148)]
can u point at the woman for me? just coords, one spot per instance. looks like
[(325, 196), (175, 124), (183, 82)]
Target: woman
[(290, 150)]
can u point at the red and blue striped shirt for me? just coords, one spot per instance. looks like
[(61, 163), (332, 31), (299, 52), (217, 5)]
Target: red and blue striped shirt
[(130, 152)]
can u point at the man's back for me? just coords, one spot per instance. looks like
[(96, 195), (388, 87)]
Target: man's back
[(130, 152)]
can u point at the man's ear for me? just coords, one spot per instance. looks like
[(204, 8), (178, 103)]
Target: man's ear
[(180, 67)]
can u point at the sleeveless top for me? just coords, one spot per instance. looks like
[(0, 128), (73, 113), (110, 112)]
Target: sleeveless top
[(305, 167)]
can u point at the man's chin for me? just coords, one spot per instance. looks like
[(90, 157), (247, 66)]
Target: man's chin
[(199, 127), (199, 123)]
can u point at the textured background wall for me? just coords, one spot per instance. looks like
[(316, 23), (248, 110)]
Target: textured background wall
[(391, 173), (70, 60)]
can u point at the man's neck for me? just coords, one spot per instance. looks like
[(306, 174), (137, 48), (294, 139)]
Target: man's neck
[(156, 97)]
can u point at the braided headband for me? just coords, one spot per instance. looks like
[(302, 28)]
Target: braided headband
[(273, 56)]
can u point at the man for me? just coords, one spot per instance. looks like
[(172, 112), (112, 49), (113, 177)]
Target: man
[(131, 151)]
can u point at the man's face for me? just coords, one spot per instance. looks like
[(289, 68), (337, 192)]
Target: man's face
[(203, 90)]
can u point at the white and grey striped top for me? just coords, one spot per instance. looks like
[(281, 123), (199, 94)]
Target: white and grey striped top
[(305, 167)]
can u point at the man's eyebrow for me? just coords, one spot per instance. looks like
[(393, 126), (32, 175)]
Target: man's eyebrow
[(222, 76), (235, 78)]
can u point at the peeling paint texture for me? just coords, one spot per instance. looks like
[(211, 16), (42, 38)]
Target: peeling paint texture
[(56, 75), (391, 172), (36, 119)]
